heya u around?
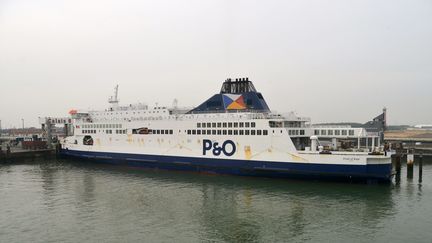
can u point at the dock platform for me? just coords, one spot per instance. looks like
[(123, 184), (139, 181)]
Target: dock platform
[(17, 155)]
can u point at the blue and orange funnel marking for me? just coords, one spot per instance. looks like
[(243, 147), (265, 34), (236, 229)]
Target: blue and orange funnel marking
[(233, 102)]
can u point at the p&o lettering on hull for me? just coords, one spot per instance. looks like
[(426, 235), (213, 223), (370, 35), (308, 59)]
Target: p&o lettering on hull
[(228, 148)]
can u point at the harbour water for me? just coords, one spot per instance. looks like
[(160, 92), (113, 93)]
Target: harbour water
[(73, 201)]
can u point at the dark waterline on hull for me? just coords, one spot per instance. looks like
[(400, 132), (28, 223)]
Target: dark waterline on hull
[(322, 172)]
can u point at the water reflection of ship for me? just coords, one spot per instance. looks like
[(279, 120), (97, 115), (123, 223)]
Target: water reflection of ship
[(243, 209), (242, 214)]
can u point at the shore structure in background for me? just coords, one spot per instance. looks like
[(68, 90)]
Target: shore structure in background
[(352, 136), (18, 145), (417, 140), (423, 127), (232, 132)]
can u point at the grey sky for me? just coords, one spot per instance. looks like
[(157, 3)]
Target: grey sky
[(333, 60)]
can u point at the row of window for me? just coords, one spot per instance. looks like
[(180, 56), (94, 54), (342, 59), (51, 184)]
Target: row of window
[(225, 124), (228, 132), (88, 131), (102, 126), (334, 132), (126, 113), (123, 131), (146, 131), (296, 132)]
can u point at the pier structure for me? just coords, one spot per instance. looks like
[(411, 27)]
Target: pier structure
[(50, 126), (347, 137), (335, 137), (360, 137), (417, 140)]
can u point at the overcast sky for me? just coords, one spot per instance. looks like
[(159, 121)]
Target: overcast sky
[(335, 60)]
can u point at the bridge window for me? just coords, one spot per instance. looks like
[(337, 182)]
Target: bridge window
[(219, 124), (230, 124), (208, 132), (253, 124), (241, 132), (316, 132), (203, 132), (219, 132), (235, 124), (252, 132), (198, 132), (247, 124), (203, 124), (224, 132), (351, 132), (198, 125), (344, 132), (259, 132), (214, 124), (189, 132), (230, 132), (330, 132), (275, 124), (224, 124), (235, 132), (208, 124), (265, 132), (337, 132), (214, 132), (302, 132), (193, 132), (241, 124), (323, 132)]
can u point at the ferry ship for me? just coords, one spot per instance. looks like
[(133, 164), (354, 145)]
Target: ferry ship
[(232, 132)]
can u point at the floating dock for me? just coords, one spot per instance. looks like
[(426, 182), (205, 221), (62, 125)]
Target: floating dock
[(18, 155)]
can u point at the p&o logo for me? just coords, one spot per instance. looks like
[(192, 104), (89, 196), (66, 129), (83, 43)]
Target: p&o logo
[(228, 148)]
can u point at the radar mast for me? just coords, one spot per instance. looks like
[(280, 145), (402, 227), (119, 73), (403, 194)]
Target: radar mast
[(113, 100)]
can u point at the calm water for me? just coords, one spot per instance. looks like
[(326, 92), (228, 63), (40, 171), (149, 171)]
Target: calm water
[(77, 202)]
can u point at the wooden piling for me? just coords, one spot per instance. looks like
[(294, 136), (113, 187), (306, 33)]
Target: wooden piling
[(397, 162), (420, 167), (410, 157), (410, 164)]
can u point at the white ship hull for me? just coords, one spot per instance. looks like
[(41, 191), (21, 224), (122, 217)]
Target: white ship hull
[(218, 141)]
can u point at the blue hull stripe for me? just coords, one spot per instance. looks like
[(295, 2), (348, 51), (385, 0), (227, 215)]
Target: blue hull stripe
[(381, 172)]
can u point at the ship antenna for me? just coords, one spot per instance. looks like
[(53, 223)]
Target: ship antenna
[(116, 92), (175, 104), (114, 99)]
